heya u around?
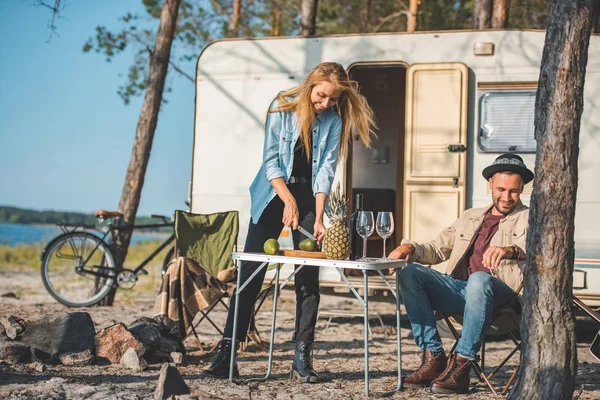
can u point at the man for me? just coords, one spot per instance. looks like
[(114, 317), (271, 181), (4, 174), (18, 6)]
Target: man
[(485, 250)]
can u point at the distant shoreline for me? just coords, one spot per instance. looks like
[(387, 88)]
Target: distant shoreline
[(15, 234)]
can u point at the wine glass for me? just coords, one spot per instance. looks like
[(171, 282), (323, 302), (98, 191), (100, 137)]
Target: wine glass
[(364, 227), (385, 227)]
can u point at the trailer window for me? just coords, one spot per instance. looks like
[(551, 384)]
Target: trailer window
[(506, 121)]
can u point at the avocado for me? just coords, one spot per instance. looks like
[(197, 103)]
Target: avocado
[(271, 246), (308, 245)]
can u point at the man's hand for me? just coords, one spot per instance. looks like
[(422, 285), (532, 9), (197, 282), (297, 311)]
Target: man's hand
[(402, 252), (494, 254)]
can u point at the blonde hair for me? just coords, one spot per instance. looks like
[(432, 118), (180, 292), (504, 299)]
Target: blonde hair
[(356, 113)]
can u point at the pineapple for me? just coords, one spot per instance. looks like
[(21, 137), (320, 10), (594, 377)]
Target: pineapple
[(337, 237)]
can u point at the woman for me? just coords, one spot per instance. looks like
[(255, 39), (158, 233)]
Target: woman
[(308, 128)]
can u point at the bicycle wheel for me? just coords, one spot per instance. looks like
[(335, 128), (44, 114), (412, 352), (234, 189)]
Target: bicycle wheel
[(72, 287)]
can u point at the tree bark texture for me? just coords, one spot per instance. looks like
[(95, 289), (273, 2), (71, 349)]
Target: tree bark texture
[(309, 17), (549, 352), (411, 22), (140, 154), (365, 16), (237, 6), (500, 13), (482, 14), (276, 18)]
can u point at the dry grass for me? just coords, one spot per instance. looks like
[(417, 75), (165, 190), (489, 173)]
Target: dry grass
[(27, 257)]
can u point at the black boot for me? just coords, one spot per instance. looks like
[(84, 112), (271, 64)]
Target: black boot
[(220, 367), (302, 368)]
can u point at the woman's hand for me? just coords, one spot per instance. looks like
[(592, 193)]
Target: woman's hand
[(291, 214), (319, 233), (320, 200)]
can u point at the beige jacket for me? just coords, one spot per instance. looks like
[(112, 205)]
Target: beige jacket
[(454, 241)]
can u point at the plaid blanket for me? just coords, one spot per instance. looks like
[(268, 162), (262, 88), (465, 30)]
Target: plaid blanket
[(185, 290)]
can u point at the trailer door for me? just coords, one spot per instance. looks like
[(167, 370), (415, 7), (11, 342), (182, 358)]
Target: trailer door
[(435, 148)]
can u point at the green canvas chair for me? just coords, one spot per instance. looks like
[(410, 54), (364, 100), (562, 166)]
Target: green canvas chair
[(208, 239)]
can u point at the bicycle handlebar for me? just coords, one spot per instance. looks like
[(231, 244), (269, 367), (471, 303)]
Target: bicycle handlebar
[(165, 220)]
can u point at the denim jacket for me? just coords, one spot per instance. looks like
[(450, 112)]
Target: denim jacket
[(281, 134)]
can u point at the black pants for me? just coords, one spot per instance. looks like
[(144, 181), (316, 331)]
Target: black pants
[(306, 281)]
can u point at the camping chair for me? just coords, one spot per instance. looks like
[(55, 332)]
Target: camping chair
[(506, 320), (209, 240), (595, 346)]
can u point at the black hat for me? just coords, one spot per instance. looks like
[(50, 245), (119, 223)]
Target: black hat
[(509, 162)]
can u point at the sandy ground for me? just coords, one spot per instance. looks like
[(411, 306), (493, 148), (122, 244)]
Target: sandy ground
[(338, 354)]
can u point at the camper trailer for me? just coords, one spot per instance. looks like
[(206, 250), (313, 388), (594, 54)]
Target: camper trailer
[(447, 104)]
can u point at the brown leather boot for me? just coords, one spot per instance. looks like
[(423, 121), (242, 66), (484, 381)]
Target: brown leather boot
[(455, 379), (432, 366)]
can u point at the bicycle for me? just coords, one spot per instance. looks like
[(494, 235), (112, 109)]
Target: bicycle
[(79, 268)]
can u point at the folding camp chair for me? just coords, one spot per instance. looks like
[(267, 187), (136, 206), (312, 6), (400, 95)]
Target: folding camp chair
[(506, 320), (209, 240), (595, 346)]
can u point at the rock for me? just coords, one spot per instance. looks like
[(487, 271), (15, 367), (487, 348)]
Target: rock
[(157, 356), (61, 333), (161, 336), (9, 295), (132, 360), (37, 354), (15, 327), (200, 395), (80, 359), (113, 342), (170, 383), (176, 358), (14, 352), (37, 366)]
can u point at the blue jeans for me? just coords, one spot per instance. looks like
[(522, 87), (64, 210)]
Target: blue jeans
[(425, 290)]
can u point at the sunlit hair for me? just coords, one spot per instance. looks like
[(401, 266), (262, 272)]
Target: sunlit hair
[(357, 116)]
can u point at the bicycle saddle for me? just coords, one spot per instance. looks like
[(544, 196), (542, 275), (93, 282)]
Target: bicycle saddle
[(107, 214)]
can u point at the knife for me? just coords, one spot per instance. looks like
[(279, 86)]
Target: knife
[(306, 233)]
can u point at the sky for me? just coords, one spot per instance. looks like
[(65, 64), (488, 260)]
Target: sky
[(65, 134)]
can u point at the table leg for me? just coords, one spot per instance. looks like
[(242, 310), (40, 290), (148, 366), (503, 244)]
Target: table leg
[(398, 336), (235, 322), (366, 330), (275, 297)]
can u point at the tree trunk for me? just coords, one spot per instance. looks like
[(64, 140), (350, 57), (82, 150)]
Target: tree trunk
[(365, 16), (309, 16), (482, 14), (411, 22), (276, 18), (237, 5), (549, 355), (500, 13), (140, 154)]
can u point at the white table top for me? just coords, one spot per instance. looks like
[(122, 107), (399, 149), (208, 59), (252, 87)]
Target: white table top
[(372, 264)]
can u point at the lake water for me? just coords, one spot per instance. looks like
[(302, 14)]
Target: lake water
[(14, 234)]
